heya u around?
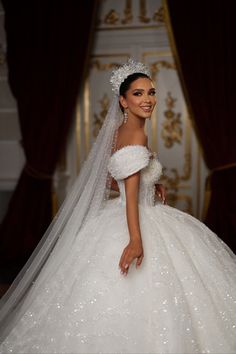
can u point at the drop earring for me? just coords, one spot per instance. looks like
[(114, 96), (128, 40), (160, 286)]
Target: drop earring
[(125, 116)]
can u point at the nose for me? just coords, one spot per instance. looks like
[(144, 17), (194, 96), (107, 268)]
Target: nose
[(147, 98)]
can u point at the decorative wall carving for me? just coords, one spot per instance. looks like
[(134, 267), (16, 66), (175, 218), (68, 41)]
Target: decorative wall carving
[(99, 118), (172, 131), (130, 14)]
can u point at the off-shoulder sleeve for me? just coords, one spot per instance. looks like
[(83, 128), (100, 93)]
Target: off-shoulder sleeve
[(128, 160)]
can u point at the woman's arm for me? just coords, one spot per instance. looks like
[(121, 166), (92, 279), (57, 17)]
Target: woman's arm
[(134, 249)]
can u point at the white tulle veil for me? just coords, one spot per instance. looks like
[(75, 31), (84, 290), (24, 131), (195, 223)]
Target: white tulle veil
[(83, 203)]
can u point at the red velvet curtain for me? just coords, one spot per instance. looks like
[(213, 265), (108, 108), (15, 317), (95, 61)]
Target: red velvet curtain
[(47, 51), (203, 39)]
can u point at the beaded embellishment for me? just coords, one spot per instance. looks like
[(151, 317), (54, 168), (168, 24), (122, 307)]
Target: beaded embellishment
[(119, 75)]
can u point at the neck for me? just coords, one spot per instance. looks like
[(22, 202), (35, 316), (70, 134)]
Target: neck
[(135, 123)]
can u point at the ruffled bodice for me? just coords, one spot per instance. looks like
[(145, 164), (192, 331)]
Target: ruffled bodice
[(131, 159)]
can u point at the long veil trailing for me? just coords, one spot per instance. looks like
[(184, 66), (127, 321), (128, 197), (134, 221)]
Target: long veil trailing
[(82, 203)]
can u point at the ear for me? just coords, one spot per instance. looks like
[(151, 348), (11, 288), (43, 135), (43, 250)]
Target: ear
[(123, 102)]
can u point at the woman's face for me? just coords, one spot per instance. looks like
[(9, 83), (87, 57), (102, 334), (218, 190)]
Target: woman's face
[(140, 99)]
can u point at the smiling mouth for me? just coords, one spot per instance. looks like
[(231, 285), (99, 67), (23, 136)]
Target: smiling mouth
[(147, 109)]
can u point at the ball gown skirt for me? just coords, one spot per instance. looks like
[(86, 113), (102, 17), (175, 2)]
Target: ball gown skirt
[(180, 300)]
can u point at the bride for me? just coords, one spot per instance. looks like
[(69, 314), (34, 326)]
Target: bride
[(125, 275)]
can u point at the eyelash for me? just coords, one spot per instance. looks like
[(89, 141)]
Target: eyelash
[(152, 93)]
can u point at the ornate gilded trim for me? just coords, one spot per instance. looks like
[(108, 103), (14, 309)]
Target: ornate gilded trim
[(143, 12), (99, 118), (159, 15), (128, 16), (172, 131), (111, 18)]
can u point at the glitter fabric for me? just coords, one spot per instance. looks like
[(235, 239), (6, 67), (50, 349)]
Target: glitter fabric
[(181, 299), (120, 74)]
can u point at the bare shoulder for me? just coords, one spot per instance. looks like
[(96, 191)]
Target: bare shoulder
[(137, 137)]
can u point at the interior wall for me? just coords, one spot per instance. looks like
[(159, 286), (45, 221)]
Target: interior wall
[(138, 29), (125, 28)]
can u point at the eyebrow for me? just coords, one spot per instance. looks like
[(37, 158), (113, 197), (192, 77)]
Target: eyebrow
[(139, 89)]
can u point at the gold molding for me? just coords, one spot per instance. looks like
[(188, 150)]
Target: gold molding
[(115, 21), (172, 131), (159, 15), (99, 118), (111, 18), (152, 27), (128, 16), (96, 64), (143, 12), (156, 66)]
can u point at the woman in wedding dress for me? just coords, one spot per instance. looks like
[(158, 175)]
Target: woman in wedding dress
[(130, 274)]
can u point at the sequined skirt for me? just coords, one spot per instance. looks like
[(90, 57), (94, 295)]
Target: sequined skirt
[(181, 299)]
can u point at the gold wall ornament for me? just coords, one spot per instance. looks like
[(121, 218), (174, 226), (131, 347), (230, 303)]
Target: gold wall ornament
[(172, 131), (112, 18), (158, 65), (99, 118), (128, 17), (143, 12), (96, 64), (159, 15), (174, 182)]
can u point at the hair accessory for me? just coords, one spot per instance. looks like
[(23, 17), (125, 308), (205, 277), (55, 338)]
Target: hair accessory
[(119, 75)]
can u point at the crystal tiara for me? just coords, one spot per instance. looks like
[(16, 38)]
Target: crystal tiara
[(119, 75)]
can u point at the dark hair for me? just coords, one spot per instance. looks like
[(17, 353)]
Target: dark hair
[(125, 85)]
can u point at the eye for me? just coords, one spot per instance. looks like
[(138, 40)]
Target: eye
[(153, 93), (137, 93)]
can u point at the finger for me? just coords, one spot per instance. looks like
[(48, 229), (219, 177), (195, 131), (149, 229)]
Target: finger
[(139, 261), (125, 270), (122, 258), (124, 264), (163, 196)]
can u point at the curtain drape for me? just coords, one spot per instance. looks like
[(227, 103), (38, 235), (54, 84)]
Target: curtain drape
[(202, 37), (47, 51)]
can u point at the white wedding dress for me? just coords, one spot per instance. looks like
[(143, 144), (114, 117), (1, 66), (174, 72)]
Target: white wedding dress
[(181, 300)]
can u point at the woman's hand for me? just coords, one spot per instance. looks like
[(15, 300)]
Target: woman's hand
[(161, 192), (134, 250)]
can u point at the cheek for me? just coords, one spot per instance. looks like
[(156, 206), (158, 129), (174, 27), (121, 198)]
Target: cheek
[(154, 101), (135, 102)]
